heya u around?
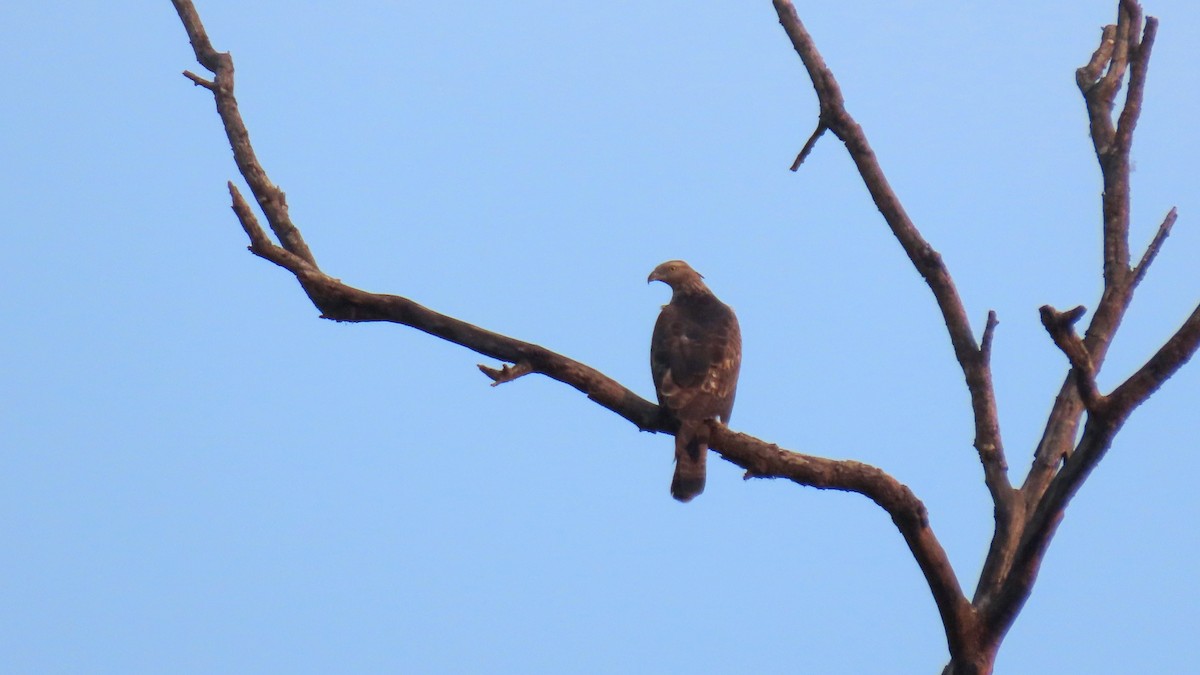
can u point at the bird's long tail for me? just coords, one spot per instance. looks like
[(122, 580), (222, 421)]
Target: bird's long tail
[(691, 453)]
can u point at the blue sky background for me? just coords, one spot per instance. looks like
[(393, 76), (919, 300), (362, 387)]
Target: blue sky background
[(198, 475)]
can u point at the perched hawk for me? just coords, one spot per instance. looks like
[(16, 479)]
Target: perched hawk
[(695, 355)]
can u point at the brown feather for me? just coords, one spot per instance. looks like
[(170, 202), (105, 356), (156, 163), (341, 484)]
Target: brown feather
[(691, 454), (695, 356)]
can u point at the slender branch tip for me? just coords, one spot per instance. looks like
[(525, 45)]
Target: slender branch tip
[(506, 373), (809, 145), (985, 343), (199, 81), (1164, 231)]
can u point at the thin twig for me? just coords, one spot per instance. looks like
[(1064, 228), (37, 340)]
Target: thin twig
[(506, 373), (809, 145), (1139, 55), (985, 343), (1089, 74), (259, 241), (199, 81), (1164, 231), (1061, 326)]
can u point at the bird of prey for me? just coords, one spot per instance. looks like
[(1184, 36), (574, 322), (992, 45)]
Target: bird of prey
[(695, 355)]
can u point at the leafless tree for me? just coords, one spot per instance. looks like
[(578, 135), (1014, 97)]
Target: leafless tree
[(1027, 516)]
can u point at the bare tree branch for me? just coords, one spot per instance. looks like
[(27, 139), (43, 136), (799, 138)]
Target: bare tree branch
[(1139, 49), (1103, 423), (1026, 519), (1088, 76), (199, 81), (340, 302), (908, 513), (1061, 326), (928, 262), (974, 359), (270, 198), (506, 373), (1047, 492), (1025, 526), (985, 343), (1177, 351), (1164, 231), (998, 610), (260, 243), (809, 145), (1112, 152)]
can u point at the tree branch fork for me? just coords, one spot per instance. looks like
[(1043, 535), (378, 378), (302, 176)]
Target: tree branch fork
[(1026, 517)]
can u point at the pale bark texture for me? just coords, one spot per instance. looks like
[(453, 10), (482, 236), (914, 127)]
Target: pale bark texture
[(1027, 516)]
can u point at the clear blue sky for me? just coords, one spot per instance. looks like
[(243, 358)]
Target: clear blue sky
[(198, 475)]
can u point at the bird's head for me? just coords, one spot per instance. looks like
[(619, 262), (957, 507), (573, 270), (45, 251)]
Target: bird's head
[(678, 275)]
